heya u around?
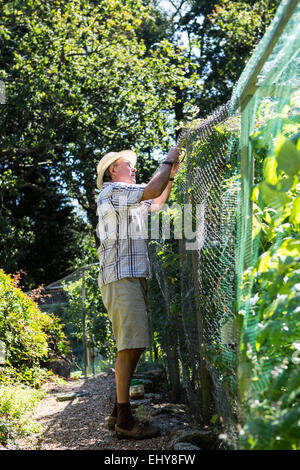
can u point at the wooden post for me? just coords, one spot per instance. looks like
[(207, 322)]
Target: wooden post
[(205, 379), (84, 340), (204, 374), (171, 350)]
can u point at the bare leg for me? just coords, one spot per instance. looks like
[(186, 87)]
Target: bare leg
[(125, 365), (127, 426)]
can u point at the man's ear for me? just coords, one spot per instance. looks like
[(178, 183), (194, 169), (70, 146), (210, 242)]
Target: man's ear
[(112, 169)]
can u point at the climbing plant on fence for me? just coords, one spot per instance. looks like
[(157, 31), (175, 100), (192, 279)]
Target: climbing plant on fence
[(270, 335), (239, 284), (268, 243), (194, 268)]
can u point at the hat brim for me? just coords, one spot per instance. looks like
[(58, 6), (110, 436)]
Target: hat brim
[(111, 157)]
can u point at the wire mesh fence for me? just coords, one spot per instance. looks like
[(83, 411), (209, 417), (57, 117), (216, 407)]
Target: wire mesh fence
[(77, 301), (197, 280), (268, 242), (235, 339)]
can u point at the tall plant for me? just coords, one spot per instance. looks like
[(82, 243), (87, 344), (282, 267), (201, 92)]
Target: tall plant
[(270, 345)]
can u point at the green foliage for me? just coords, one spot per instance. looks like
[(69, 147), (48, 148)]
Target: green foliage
[(30, 336), (16, 405), (269, 342), (25, 224), (80, 80), (222, 34)]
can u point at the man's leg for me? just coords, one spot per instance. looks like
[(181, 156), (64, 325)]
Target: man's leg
[(124, 369), (125, 365)]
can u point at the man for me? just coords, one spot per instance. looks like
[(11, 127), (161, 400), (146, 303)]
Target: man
[(124, 262)]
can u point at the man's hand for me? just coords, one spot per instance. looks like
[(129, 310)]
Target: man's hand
[(173, 154), (174, 169)]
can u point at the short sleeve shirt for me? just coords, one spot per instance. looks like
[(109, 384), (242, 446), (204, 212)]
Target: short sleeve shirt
[(122, 231)]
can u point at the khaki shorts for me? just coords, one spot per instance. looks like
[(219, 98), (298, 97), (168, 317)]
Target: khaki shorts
[(126, 302)]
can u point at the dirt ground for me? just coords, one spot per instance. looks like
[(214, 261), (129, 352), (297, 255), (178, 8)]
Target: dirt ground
[(79, 423)]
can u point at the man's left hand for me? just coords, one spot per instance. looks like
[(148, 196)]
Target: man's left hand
[(174, 169)]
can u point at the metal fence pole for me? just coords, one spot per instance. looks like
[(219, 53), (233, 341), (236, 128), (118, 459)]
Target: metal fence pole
[(84, 340)]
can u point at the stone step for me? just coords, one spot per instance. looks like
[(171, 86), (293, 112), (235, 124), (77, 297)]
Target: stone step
[(71, 396)]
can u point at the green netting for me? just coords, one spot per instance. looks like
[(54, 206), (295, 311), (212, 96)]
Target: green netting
[(268, 99), (238, 302), (196, 274)]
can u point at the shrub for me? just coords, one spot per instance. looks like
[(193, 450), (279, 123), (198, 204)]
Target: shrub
[(30, 335)]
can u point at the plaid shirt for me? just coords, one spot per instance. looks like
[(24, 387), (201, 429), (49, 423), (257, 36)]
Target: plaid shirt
[(122, 230)]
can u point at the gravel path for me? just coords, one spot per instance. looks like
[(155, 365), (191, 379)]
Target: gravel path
[(79, 423)]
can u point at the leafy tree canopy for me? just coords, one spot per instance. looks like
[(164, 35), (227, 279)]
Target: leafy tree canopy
[(80, 81), (221, 36)]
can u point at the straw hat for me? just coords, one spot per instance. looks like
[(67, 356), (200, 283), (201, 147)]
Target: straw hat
[(108, 159)]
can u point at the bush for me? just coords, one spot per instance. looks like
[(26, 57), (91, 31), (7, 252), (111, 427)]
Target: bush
[(30, 336)]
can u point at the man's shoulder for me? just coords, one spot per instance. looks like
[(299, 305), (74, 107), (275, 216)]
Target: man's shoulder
[(110, 187), (116, 190)]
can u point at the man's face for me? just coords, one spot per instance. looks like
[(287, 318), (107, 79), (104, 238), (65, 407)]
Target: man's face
[(123, 171)]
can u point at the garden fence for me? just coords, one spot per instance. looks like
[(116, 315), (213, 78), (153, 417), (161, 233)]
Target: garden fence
[(236, 333), (77, 301)]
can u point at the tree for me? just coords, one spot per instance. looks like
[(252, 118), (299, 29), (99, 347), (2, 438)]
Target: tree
[(221, 37), (79, 82), (40, 233)]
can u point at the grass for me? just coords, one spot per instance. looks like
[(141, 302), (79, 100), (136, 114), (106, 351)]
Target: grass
[(17, 404)]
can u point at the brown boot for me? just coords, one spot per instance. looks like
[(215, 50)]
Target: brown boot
[(125, 419), (111, 421), (139, 431)]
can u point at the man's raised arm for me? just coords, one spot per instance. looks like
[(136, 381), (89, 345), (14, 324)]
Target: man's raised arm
[(159, 187)]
